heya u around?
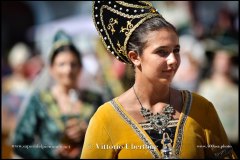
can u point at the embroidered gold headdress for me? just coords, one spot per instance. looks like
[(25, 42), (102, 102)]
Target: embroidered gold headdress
[(116, 21)]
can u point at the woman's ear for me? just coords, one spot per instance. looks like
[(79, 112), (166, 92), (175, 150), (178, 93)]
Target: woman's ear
[(133, 56)]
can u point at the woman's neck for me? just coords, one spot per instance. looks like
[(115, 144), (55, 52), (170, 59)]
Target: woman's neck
[(221, 79), (60, 89), (152, 93)]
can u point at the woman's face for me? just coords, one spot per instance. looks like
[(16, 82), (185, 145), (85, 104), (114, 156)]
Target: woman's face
[(222, 62), (65, 69), (160, 59)]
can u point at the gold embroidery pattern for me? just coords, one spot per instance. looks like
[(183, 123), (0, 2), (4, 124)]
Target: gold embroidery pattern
[(60, 43), (104, 28), (188, 98), (144, 17), (124, 14), (146, 2), (148, 125), (120, 48), (111, 24), (133, 29), (134, 5), (153, 151), (57, 45), (129, 26)]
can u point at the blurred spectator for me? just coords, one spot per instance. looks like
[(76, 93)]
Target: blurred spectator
[(215, 20), (33, 67), (171, 10), (192, 59), (220, 89), (17, 82), (55, 119), (202, 19), (224, 30), (14, 89)]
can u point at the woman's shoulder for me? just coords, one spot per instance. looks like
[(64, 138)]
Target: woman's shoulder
[(199, 103), (42, 95), (198, 108), (198, 98), (38, 93), (105, 108), (105, 111), (38, 98)]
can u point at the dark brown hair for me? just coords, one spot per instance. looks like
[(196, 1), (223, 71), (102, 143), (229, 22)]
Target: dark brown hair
[(138, 39), (69, 47)]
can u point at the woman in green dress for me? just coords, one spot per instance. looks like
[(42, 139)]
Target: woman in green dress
[(54, 122)]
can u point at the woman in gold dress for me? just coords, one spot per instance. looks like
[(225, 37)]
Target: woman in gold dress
[(151, 119)]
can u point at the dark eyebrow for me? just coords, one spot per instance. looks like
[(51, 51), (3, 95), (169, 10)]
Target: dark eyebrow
[(177, 46), (165, 47)]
